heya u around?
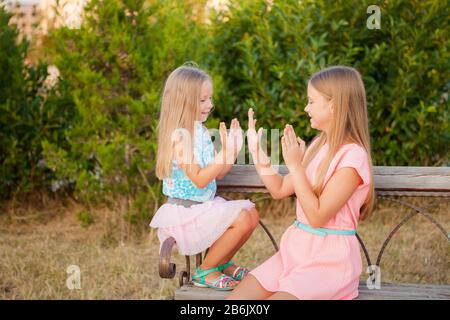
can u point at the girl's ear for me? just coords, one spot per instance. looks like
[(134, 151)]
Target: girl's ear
[(331, 105)]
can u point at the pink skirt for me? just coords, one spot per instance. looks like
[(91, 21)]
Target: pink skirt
[(313, 267), (196, 228)]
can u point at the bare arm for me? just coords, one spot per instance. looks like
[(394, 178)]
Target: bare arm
[(279, 187), (226, 168), (319, 210), (340, 187), (199, 176)]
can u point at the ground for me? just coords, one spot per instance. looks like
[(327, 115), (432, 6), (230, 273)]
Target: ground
[(37, 245)]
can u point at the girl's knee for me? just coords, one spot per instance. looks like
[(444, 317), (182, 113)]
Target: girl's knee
[(254, 214), (254, 218), (244, 221)]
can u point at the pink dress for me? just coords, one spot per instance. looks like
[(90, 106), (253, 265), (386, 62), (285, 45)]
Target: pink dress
[(311, 266)]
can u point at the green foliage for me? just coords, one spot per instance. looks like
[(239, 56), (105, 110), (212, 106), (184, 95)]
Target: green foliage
[(86, 218), (115, 66), (266, 53), (95, 131), (30, 111)]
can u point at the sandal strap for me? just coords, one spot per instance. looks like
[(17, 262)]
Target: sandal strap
[(222, 281), (225, 265), (239, 272), (199, 273)]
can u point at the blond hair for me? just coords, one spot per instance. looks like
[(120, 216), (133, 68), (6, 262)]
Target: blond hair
[(180, 108), (344, 87)]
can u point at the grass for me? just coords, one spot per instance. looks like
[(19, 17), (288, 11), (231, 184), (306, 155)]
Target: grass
[(39, 242)]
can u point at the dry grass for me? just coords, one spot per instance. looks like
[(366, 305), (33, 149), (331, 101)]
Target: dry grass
[(38, 243)]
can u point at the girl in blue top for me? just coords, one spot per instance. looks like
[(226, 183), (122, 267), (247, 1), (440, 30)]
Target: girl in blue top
[(188, 165)]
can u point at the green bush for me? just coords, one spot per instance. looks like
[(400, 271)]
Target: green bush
[(115, 66), (95, 131), (266, 53), (29, 113)]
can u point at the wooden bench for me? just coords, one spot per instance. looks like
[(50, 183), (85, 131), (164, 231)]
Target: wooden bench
[(433, 182)]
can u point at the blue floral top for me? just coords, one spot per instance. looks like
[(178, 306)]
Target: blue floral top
[(178, 185)]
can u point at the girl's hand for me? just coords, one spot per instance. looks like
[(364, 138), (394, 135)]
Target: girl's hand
[(231, 142), (235, 140), (253, 137), (293, 148), (223, 138)]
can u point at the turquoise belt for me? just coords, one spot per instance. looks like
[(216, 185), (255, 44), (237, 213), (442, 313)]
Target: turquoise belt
[(323, 231)]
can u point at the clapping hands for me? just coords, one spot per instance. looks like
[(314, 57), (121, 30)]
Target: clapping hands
[(232, 141), (253, 137), (293, 148)]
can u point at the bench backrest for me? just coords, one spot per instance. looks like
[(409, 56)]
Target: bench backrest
[(406, 181)]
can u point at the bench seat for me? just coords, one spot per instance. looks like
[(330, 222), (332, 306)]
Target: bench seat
[(388, 291), (391, 182)]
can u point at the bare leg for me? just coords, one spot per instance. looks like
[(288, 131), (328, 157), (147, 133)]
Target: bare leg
[(254, 217), (228, 243), (249, 289)]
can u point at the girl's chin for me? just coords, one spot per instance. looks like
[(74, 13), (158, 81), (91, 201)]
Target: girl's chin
[(313, 123), (204, 117)]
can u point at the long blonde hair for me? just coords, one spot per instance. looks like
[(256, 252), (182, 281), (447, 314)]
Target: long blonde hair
[(180, 108), (344, 87)]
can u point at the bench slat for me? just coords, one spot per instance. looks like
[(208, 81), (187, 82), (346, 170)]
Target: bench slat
[(413, 181), (388, 291)]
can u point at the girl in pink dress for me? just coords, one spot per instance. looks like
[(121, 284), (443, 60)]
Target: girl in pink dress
[(188, 165), (319, 256)]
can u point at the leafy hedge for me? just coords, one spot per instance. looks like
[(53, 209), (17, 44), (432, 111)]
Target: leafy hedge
[(95, 131), (115, 66), (30, 112), (266, 54)]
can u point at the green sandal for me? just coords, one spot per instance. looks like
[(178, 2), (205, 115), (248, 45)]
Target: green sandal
[(220, 283), (238, 274)]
